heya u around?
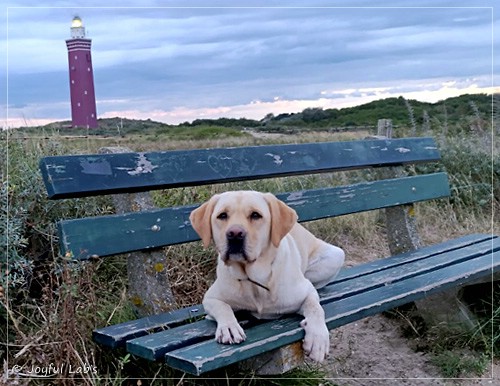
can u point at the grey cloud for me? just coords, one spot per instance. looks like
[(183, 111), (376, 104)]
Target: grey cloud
[(170, 57)]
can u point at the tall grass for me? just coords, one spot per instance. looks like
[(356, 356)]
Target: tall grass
[(49, 306)]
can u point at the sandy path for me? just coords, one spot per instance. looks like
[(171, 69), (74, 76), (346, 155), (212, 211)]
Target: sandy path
[(373, 352)]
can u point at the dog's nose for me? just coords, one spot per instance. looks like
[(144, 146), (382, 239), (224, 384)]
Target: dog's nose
[(236, 232)]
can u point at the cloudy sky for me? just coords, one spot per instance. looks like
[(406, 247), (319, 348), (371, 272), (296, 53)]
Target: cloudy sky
[(176, 61)]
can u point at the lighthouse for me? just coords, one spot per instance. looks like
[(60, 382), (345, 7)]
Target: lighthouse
[(81, 77)]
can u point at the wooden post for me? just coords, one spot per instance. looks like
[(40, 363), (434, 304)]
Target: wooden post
[(384, 128), (148, 287), (402, 237), (400, 222)]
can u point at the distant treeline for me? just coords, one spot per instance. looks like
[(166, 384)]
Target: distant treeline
[(476, 108), (398, 109)]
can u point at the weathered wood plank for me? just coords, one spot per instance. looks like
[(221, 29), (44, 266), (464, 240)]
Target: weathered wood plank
[(424, 252), (202, 357), (114, 234), (85, 175), (154, 346), (116, 335), (329, 202), (411, 268)]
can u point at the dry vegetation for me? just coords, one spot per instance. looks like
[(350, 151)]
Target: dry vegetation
[(50, 306)]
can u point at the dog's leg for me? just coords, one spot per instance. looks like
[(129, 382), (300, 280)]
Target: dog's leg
[(324, 265), (317, 338), (228, 330)]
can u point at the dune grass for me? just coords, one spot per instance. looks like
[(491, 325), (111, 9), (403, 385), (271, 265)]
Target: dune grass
[(49, 306)]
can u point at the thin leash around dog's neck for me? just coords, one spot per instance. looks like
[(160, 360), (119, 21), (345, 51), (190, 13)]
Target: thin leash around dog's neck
[(243, 269), (256, 283), (252, 281)]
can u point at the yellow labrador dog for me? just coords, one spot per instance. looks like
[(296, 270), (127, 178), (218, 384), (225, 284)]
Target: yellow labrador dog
[(268, 264)]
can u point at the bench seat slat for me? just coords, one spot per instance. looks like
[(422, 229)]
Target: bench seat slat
[(114, 234), (154, 346), (413, 267), (117, 335), (424, 252), (97, 174), (209, 355)]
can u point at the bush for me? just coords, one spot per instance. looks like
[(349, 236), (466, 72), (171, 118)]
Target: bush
[(474, 172), (48, 305), (202, 132)]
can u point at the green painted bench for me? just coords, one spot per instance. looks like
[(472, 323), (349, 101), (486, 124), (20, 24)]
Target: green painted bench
[(183, 338)]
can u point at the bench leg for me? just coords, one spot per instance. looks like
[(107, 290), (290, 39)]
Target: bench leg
[(451, 307), (402, 235), (443, 307), (148, 287), (446, 308), (400, 220), (276, 362)]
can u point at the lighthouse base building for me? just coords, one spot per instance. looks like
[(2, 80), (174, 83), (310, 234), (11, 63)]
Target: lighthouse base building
[(81, 78)]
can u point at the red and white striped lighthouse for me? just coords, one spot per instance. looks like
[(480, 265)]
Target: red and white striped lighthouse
[(81, 77)]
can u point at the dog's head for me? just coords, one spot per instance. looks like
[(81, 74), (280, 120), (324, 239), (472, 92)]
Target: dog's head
[(243, 224)]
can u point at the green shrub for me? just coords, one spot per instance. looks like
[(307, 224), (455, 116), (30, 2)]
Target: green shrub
[(202, 132), (474, 172), (458, 364)]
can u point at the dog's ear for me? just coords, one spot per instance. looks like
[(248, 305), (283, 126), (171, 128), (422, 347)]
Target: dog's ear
[(283, 218), (200, 220)]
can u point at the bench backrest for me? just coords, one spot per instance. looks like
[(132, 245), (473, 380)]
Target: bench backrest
[(98, 174)]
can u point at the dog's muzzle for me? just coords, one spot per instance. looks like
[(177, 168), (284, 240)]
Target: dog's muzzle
[(235, 237)]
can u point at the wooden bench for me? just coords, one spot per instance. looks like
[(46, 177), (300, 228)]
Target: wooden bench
[(183, 338)]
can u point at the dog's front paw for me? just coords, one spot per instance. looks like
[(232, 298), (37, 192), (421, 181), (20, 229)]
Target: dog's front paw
[(316, 341), (230, 333)]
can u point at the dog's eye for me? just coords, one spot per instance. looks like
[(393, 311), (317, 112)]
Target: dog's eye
[(255, 216), (222, 216)]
